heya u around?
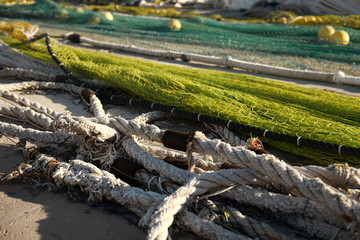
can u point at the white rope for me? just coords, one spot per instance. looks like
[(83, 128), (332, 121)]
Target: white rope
[(255, 228), (98, 184), (27, 114), (199, 184), (27, 103), (338, 78), (82, 126), (284, 204), (97, 107), (30, 134), (315, 196), (28, 74), (32, 85), (131, 127), (336, 175), (282, 173), (150, 116), (317, 229)]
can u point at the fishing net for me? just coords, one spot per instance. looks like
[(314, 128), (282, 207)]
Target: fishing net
[(277, 39), (350, 21)]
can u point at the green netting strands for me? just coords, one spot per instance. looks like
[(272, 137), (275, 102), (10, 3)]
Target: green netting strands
[(301, 41), (255, 101)]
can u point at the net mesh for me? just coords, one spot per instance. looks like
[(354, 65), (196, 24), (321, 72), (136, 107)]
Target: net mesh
[(279, 39)]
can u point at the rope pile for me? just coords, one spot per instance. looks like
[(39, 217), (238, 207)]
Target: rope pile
[(317, 198)]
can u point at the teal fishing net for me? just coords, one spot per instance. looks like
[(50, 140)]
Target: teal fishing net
[(278, 39)]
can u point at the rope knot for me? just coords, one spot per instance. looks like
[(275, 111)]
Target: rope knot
[(341, 175), (337, 77)]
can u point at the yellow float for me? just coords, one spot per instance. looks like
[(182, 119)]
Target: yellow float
[(340, 38), (109, 16), (174, 24), (325, 32)]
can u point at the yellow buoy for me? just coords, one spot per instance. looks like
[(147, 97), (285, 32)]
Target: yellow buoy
[(109, 16), (174, 24), (79, 10), (340, 38), (325, 32), (63, 15), (94, 20)]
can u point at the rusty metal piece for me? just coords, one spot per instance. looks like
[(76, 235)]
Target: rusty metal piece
[(255, 145), (176, 139), (231, 165), (87, 93)]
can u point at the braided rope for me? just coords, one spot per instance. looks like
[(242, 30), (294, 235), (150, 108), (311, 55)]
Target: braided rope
[(131, 127), (282, 173), (30, 134), (336, 175), (96, 107), (98, 184), (255, 228), (27, 114), (26, 74), (27, 103), (41, 85)]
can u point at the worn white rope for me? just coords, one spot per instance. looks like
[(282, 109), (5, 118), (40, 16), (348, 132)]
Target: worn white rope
[(254, 228), (29, 74), (318, 229), (82, 126), (98, 184), (336, 175), (146, 178), (131, 127), (253, 162), (338, 78), (34, 85), (27, 114), (27, 103), (282, 203), (227, 135), (282, 173), (30, 134), (97, 107), (200, 184), (306, 192), (150, 116)]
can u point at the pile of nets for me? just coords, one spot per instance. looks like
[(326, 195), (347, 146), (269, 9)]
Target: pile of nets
[(349, 21), (279, 39)]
